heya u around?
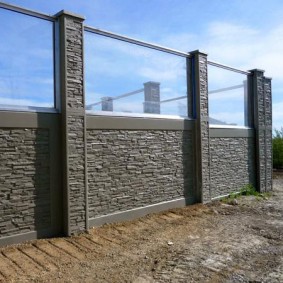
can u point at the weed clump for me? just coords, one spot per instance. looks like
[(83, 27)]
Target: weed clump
[(247, 190)]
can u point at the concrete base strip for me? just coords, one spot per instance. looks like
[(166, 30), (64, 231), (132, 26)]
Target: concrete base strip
[(23, 237), (139, 212)]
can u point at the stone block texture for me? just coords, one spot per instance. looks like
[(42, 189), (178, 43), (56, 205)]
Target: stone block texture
[(260, 132), (130, 169), (263, 125), (232, 163), (74, 122), (199, 80), (204, 128), (268, 133), (25, 181), (76, 173)]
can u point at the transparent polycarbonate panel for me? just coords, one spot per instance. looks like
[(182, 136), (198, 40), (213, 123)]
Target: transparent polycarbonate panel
[(26, 61), (227, 93), (122, 77)]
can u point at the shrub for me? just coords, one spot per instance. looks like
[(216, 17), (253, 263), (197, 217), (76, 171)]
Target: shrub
[(277, 144)]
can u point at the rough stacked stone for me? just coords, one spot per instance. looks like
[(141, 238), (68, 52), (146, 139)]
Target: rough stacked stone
[(260, 129), (73, 118), (206, 195), (202, 127), (263, 127), (232, 164), (25, 181), (130, 169), (268, 133)]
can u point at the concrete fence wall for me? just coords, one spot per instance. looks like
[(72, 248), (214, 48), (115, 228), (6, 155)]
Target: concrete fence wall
[(63, 173)]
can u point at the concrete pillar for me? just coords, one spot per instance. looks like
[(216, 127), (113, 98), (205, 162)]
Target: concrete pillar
[(73, 122), (198, 90), (261, 88), (151, 97), (268, 133), (107, 103)]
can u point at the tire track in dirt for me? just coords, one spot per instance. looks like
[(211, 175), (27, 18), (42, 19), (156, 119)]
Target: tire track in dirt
[(68, 248), (54, 252), (46, 262), (22, 261), (8, 269)]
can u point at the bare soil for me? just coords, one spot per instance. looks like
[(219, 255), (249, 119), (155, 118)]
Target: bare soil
[(200, 243)]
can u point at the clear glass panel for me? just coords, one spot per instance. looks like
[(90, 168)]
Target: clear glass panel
[(26, 61), (226, 95), (124, 77)]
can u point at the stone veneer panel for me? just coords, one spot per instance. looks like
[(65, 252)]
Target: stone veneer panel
[(204, 128), (76, 168), (73, 117), (268, 133), (25, 181), (130, 169), (232, 164), (199, 92), (261, 130), (263, 125)]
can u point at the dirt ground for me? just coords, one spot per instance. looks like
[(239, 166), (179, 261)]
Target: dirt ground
[(201, 243)]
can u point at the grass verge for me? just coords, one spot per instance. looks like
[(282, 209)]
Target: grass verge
[(247, 190)]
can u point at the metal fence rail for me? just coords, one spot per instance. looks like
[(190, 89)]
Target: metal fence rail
[(226, 67), (27, 12), (136, 41)]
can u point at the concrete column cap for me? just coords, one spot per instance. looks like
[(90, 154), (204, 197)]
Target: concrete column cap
[(197, 52), (70, 14), (256, 71)]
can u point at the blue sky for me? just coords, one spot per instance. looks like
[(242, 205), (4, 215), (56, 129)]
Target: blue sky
[(244, 34)]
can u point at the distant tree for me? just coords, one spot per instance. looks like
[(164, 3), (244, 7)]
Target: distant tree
[(277, 144)]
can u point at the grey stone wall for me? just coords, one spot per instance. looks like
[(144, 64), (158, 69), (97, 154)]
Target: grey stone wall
[(260, 129), (204, 128), (199, 85), (268, 133), (130, 169), (73, 122), (25, 181), (263, 127), (232, 163)]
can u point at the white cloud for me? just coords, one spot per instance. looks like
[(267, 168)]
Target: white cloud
[(277, 115), (243, 47), (22, 102), (235, 95), (228, 117), (236, 45)]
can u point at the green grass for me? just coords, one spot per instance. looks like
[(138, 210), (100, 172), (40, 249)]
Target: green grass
[(247, 190)]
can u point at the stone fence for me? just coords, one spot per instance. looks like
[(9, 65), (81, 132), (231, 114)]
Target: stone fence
[(63, 173)]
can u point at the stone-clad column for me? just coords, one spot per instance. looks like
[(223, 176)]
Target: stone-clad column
[(268, 133), (107, 103), (263, 130), (152, 97), (73, 122), (198, 89)]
